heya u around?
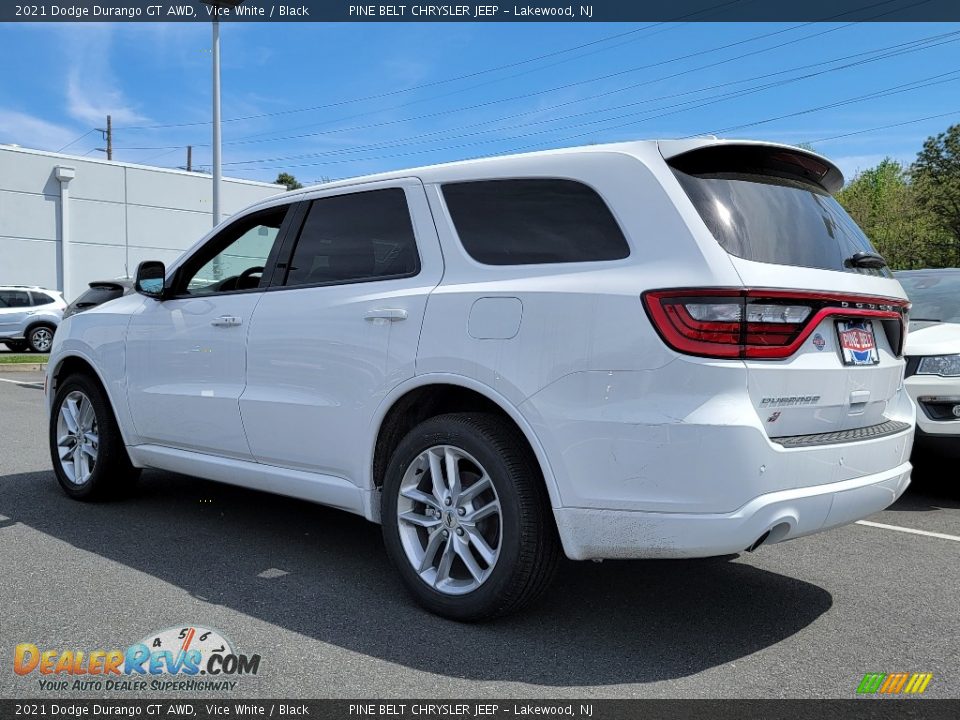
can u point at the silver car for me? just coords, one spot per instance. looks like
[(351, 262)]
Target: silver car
[(29, 316)]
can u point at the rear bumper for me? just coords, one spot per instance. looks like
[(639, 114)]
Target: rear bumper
[(599, 533)]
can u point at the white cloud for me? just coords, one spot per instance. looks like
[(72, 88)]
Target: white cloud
[(92, 91), (91, 99), (17, 128)]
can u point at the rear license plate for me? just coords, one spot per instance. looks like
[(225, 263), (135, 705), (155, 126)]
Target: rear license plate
[(858, 345)]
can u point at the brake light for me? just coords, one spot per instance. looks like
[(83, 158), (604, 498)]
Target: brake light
[(758, 324)]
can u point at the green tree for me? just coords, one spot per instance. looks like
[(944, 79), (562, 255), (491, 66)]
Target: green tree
[(289, 180), (936, 180), (883, 201)]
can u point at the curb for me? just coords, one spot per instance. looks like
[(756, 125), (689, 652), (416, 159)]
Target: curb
[(22, 367)]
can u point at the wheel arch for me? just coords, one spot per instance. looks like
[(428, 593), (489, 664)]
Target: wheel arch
[(76, 364), (38, 322), (429, 395)]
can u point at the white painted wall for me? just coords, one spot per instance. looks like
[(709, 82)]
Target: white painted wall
[(119, 214)]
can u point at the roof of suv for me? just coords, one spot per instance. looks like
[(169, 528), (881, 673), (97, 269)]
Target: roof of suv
[(491, 165), (29, 287)]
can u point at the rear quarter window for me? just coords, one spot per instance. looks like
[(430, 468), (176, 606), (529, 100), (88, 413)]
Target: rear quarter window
[(40, 298), (525, 222)]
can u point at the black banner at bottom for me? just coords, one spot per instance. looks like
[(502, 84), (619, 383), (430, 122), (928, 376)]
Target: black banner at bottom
[(855, 709)]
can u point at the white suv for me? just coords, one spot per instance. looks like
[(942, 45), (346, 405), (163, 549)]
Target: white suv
[(29, 317), (675, 349)]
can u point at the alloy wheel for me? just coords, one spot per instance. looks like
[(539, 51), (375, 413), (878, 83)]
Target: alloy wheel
[(450, 520), (42, 339), (78, 439)]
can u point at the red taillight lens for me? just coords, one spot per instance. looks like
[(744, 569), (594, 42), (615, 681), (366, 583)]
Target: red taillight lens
[(754, 323)]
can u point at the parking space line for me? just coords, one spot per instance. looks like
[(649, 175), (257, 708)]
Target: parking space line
[(22, 382), (912, 531)]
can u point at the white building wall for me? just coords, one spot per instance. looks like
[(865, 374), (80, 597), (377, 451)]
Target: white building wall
[(119, 214)]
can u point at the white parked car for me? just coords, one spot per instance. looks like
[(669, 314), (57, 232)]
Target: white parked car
[(29, 317), (933, 354), (652, 349)]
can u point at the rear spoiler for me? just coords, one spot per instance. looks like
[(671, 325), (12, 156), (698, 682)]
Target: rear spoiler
[(703, 156)]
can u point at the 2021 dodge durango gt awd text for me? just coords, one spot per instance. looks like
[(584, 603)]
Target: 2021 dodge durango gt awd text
[(666, 349)]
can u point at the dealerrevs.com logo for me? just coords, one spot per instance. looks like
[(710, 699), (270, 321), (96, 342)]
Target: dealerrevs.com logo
[(189, 658)]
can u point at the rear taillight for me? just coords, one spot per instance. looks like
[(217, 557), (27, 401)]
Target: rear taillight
[(759, 324)]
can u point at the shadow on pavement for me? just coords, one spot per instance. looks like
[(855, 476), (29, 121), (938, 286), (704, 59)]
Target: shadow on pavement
[(933, 485), (616, 622)]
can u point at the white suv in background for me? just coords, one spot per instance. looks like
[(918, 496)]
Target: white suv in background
[(933, 356), (29, 317), (652, 349)]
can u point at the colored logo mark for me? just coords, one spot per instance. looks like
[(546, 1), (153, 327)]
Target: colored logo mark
[(894, 683)]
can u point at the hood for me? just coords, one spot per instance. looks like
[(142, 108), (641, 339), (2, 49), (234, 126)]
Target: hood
[(933, 339)]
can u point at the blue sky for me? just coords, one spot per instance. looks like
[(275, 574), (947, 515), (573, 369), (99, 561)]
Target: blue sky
[(385, 95)]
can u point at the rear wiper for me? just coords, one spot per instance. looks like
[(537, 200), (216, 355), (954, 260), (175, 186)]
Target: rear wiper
[(865, 260), (913, 319)]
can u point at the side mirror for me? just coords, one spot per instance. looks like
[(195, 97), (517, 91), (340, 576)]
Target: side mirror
[(150, 279)]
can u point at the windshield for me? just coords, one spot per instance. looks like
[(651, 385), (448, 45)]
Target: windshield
[(777, 220), (935, 296)]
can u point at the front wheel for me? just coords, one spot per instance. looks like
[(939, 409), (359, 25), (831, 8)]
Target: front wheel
[(87, 450), (466, 518), (40, 338)]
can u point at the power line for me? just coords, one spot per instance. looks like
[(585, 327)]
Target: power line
[(434, 83), (885, 92), (549, 90), (885, 53), (883, 127), (74, 142), (895, 90), (607, 76), (244, 140)]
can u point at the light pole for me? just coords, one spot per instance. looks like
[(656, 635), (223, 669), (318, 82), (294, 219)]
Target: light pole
[(217, 158)]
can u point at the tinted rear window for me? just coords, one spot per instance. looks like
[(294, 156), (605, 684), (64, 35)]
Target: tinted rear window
[(764, 213), (522, 222), (40, 298), (97, 296)]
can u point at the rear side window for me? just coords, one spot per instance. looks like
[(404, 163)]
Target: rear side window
[(14, 299), (356, 238), (525, 222), (40, 298), (767, 205)]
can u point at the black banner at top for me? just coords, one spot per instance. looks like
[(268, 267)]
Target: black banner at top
[(489, 11)]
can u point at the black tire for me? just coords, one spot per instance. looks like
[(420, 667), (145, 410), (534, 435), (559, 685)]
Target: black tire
[(40, 338), (17, 346), (111, 473), (529, 549)]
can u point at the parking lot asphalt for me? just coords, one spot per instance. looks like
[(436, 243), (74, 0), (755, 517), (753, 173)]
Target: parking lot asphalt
[(310, 590)]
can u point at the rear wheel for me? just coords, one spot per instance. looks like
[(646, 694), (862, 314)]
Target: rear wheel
[(40, 338), (87, 450), (466, 519)]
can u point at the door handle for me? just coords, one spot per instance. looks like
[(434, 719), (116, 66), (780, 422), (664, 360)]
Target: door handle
[(391, 314), (226, 321)]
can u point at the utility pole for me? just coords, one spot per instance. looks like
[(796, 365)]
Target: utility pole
[(108, 136), (217, 161), (189, 158), (217, 6)]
